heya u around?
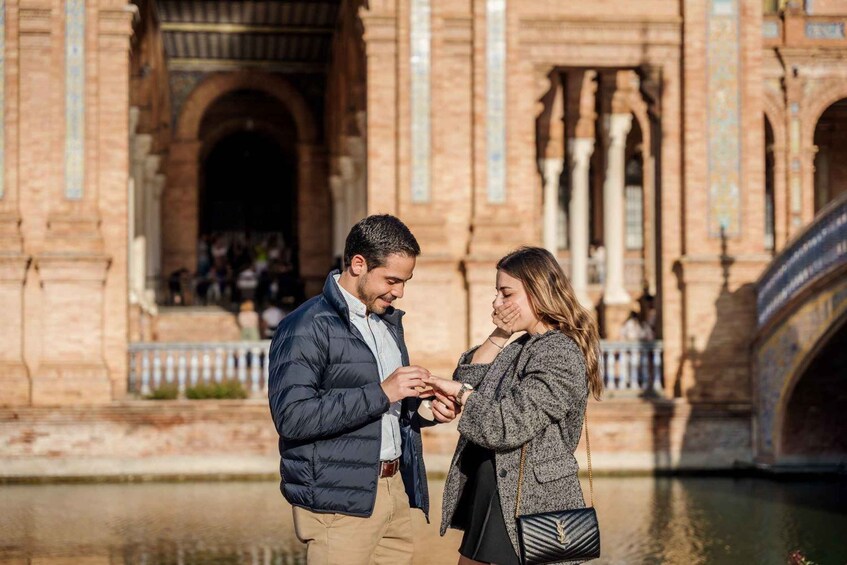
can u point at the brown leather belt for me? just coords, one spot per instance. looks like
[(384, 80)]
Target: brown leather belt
[(388, 468)]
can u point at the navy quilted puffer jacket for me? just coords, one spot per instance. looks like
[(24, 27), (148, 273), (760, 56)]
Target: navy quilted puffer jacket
[(327, 404)]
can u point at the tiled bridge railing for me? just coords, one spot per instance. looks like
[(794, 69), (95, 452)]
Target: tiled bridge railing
[(818, 250), (633, 366)]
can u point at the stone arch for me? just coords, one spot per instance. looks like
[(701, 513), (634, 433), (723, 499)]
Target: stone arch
[(230, 127), (775, 113), (180, 198), (219, 84), (798, 374), (786, 346), (828, 147), (820, 101)]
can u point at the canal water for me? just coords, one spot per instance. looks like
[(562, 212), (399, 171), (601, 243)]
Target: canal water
[(643, 520)]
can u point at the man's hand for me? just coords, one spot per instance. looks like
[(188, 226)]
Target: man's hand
[(448, 388), (444, 408), (402, 383)]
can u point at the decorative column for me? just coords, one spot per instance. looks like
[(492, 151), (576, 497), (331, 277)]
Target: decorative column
[(140, 145), (150, 220), (613, 209), (551, 156), (153, 238), (580, 94), (551, 171), (581, 150)]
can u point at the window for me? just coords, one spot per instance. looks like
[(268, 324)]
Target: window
[(634, 217)]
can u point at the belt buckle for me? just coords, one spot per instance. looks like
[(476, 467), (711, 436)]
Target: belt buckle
[(389, 468)]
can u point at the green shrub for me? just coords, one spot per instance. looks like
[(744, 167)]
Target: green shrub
[(165, 391), (227, 389)]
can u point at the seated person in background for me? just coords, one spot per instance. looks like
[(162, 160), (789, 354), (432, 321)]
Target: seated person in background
[(246, 284), (634, 329), (271, 317), (176, 286)]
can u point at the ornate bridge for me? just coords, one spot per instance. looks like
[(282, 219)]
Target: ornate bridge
[(800, 354)]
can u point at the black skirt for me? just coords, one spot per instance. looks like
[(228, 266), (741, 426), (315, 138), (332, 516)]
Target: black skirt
[(479, 512)]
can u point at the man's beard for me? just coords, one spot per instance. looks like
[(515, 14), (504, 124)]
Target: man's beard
[(370, 300)]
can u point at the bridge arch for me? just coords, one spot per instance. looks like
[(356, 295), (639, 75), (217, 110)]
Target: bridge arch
[(802, 309)]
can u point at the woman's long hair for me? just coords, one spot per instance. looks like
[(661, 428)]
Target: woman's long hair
[(552, 298)]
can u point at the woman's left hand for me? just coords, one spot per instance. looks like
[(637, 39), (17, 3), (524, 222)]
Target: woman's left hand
[(447, 387), (444, 408)]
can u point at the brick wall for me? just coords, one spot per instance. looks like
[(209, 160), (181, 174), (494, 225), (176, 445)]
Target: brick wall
[(197, 438)]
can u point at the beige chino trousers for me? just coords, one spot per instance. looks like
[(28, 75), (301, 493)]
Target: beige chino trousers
[(385, 538)]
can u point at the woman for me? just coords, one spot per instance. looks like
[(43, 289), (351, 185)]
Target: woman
[(532, 391)]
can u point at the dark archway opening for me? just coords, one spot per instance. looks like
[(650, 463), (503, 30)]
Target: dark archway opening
[(831, 155), (248, 186), (815, 429), (770, 163), (248, 215)]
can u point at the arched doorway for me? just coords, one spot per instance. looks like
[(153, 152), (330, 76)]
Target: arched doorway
[(814, 429), (248, 185), (247, 170), (247, 202), (831, 156)]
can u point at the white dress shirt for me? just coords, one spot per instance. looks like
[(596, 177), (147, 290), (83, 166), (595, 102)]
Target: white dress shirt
[(388, 359)]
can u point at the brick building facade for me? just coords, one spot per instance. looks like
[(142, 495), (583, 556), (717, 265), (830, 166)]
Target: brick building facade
[(690, 139)]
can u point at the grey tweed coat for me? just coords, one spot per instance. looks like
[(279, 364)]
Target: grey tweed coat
[(541, 402)]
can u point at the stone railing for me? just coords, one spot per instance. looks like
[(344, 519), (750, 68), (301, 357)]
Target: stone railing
[(816, 251), (154, 364), (626, 365), (632, 365)]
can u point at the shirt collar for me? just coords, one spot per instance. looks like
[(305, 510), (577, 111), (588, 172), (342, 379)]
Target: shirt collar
[(354, 305)]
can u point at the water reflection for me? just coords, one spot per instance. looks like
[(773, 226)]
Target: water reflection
[(643, 520)]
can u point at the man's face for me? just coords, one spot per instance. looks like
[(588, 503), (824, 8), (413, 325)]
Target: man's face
[(378, 288)]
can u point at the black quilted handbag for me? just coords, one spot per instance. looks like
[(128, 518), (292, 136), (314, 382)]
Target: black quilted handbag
[(562, 535)]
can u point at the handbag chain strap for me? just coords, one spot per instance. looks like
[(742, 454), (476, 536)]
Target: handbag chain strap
[(590, 477)]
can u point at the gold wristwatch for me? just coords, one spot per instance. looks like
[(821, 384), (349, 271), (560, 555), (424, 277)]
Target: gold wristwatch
[(466, 388)]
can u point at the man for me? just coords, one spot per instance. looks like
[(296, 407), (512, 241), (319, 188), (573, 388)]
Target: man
[(344, 400)]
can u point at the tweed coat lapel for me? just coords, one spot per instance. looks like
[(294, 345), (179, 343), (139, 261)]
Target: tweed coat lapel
[(502, 372)]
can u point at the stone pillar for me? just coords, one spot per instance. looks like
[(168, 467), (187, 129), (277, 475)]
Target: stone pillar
[(613, 209), (338, 215), (552, 170), (550, 138), (314, 230), (180, 207), (380, 35), (72, 369), (580, 154), (358, 197), (153, 271), (141, 145), (348, 188), (821, 177), (14, 376)]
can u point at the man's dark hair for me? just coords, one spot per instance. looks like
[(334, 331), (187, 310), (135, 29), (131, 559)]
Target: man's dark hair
[(376, 237)]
